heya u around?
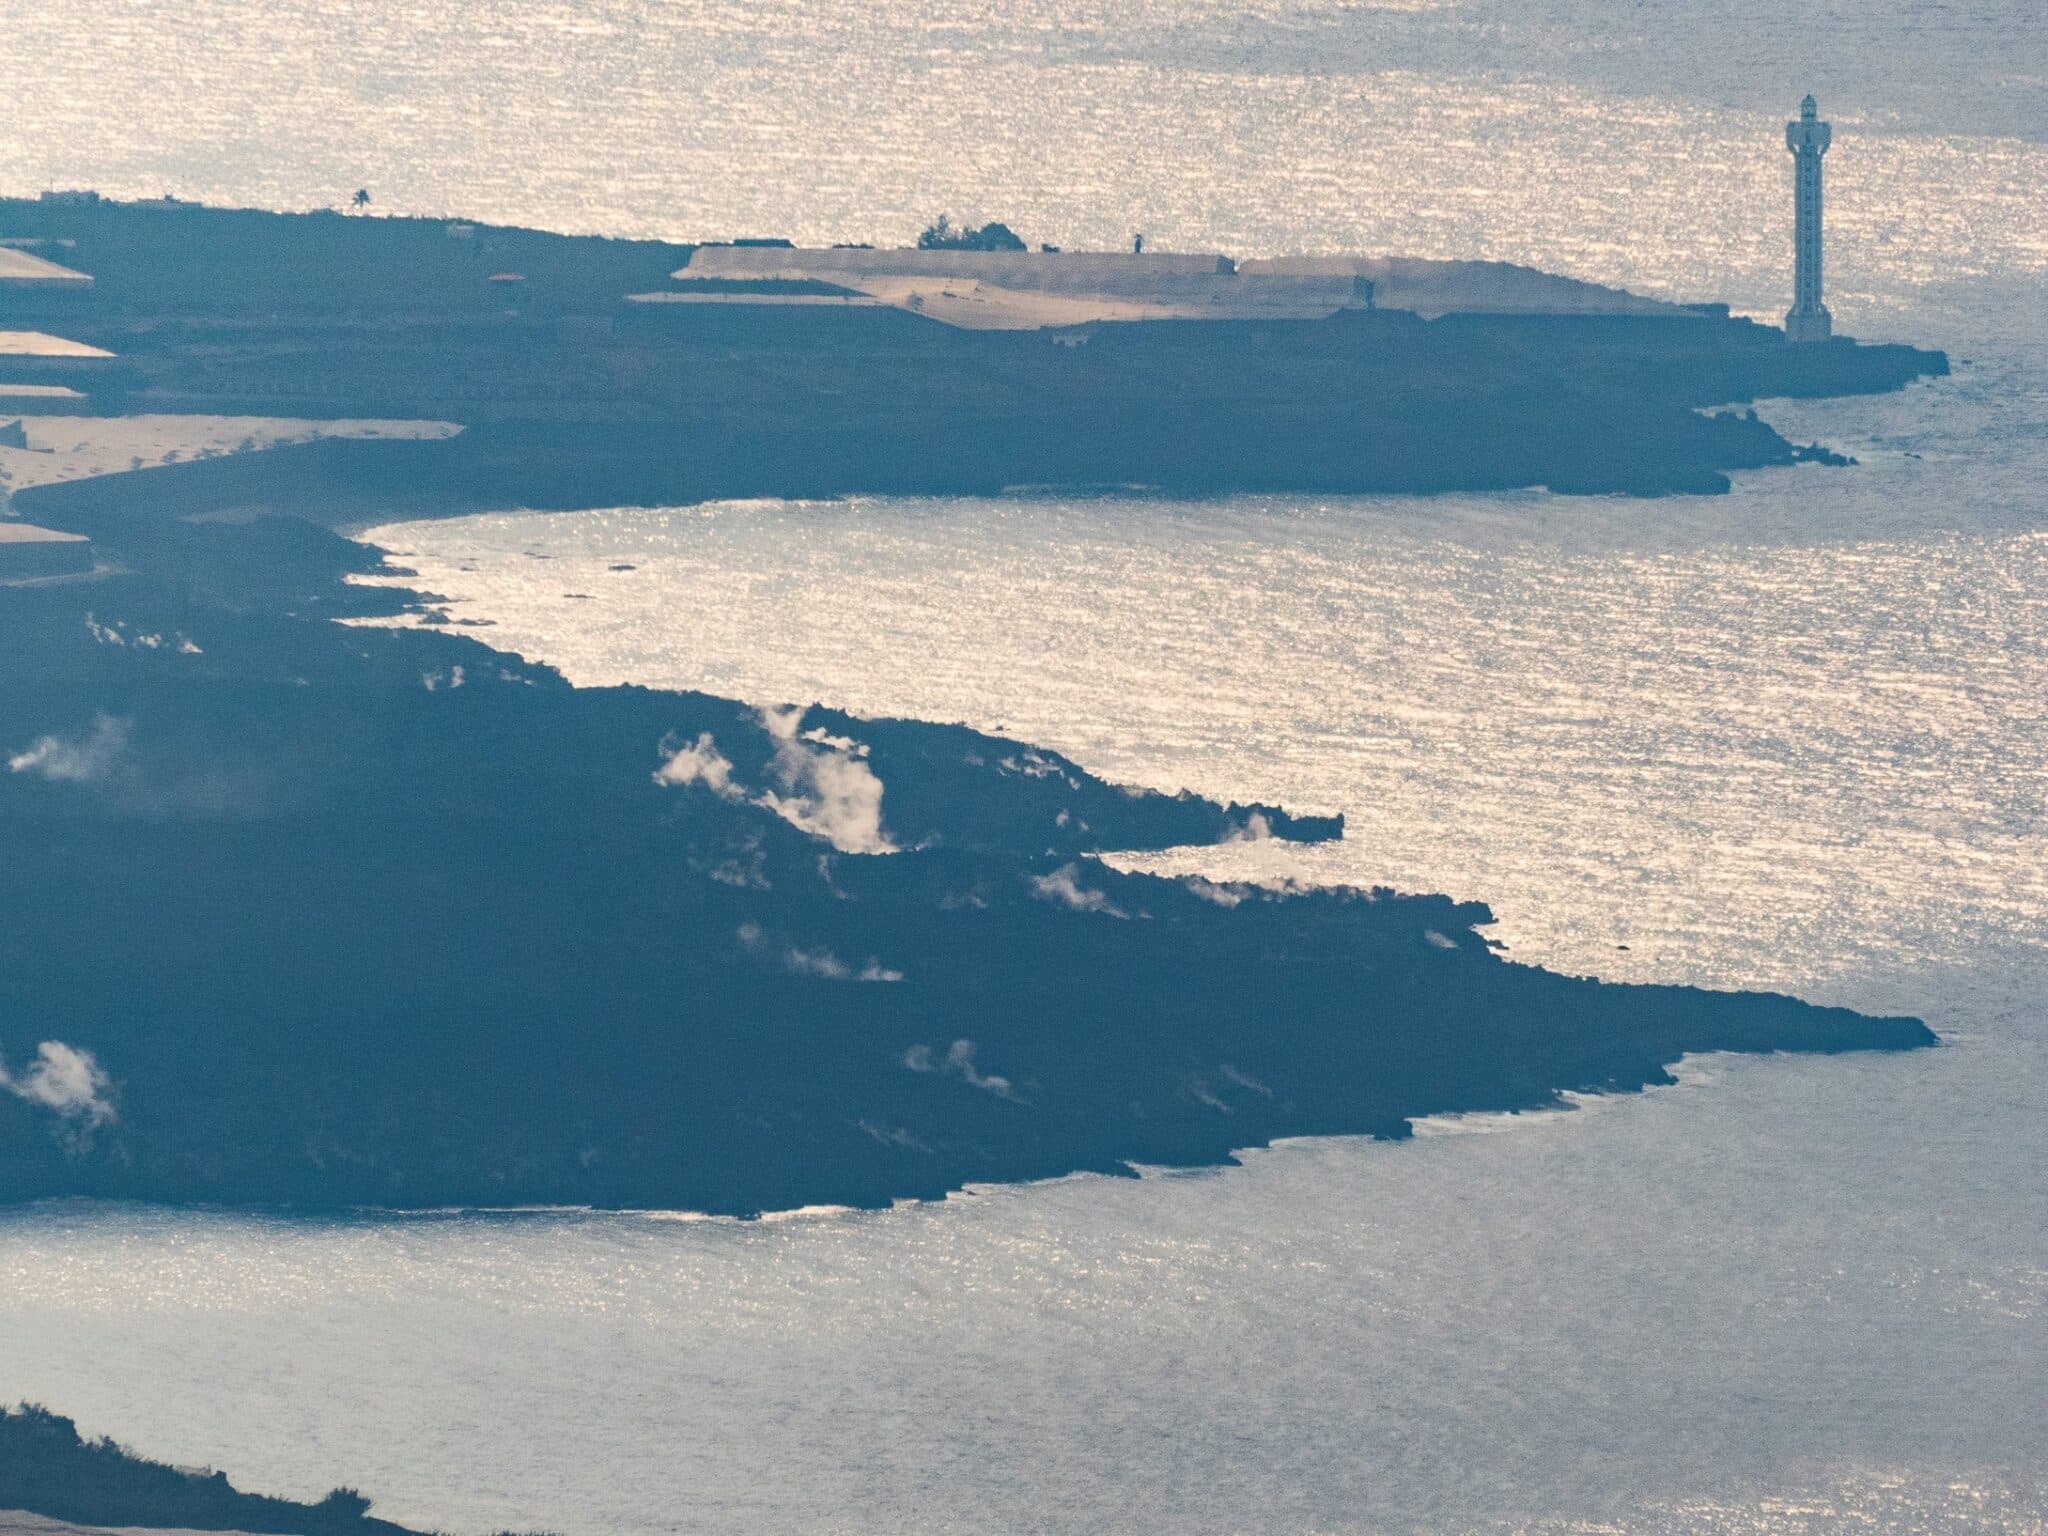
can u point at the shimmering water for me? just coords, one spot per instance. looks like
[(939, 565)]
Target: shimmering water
[(1791, 737), (1752, 763), (1618, 141)]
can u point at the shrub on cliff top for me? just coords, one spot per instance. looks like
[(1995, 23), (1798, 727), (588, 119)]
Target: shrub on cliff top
[(946, 236)]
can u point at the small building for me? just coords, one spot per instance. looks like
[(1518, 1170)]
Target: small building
[(27, 551)]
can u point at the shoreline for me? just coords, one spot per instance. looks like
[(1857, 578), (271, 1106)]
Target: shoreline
[(316, 916), (590, 831), (1686, 1072)]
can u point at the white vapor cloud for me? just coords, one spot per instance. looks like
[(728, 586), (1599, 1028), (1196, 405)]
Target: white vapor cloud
[(823, 963), (1245, 1080), (826, 787), (828, 790), (117, 634), (75, 759), (958, 1062), (1063, 886), (1256, 829), (66, 1081), (816, 962), (698, 763)]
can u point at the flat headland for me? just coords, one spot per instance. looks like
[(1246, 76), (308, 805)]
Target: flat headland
[(591, 371), (315, 915)]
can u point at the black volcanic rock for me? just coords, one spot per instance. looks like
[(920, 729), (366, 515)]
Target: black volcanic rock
[(318, 916), (47, 1468), (311, 915)]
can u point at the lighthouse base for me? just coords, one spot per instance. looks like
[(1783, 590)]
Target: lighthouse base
[(1809, 325)]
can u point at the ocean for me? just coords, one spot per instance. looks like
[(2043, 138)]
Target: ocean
[(1794, 737)]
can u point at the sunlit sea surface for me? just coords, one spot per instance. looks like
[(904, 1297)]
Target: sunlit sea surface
[(1794, 737)]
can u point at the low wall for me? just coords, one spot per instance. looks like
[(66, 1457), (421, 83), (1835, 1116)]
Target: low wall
[(1463, 287), (1011, 269)]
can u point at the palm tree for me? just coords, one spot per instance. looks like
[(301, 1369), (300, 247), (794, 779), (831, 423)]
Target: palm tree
[(361, 199)]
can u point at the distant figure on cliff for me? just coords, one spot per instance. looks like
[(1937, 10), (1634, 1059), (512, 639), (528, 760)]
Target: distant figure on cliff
[(1137, 245), (362, 199), (944, 236)]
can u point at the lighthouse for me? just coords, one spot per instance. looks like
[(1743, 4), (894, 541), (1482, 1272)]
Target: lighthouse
[(1808, 319)]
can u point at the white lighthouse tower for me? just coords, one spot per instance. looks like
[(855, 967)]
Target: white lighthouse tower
[(1808, 319)]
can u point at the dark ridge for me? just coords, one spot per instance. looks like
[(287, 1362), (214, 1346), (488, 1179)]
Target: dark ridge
[(48, 1469), (154, 265)]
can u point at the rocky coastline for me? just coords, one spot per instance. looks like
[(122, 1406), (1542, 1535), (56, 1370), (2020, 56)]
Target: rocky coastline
[(317, 916)]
